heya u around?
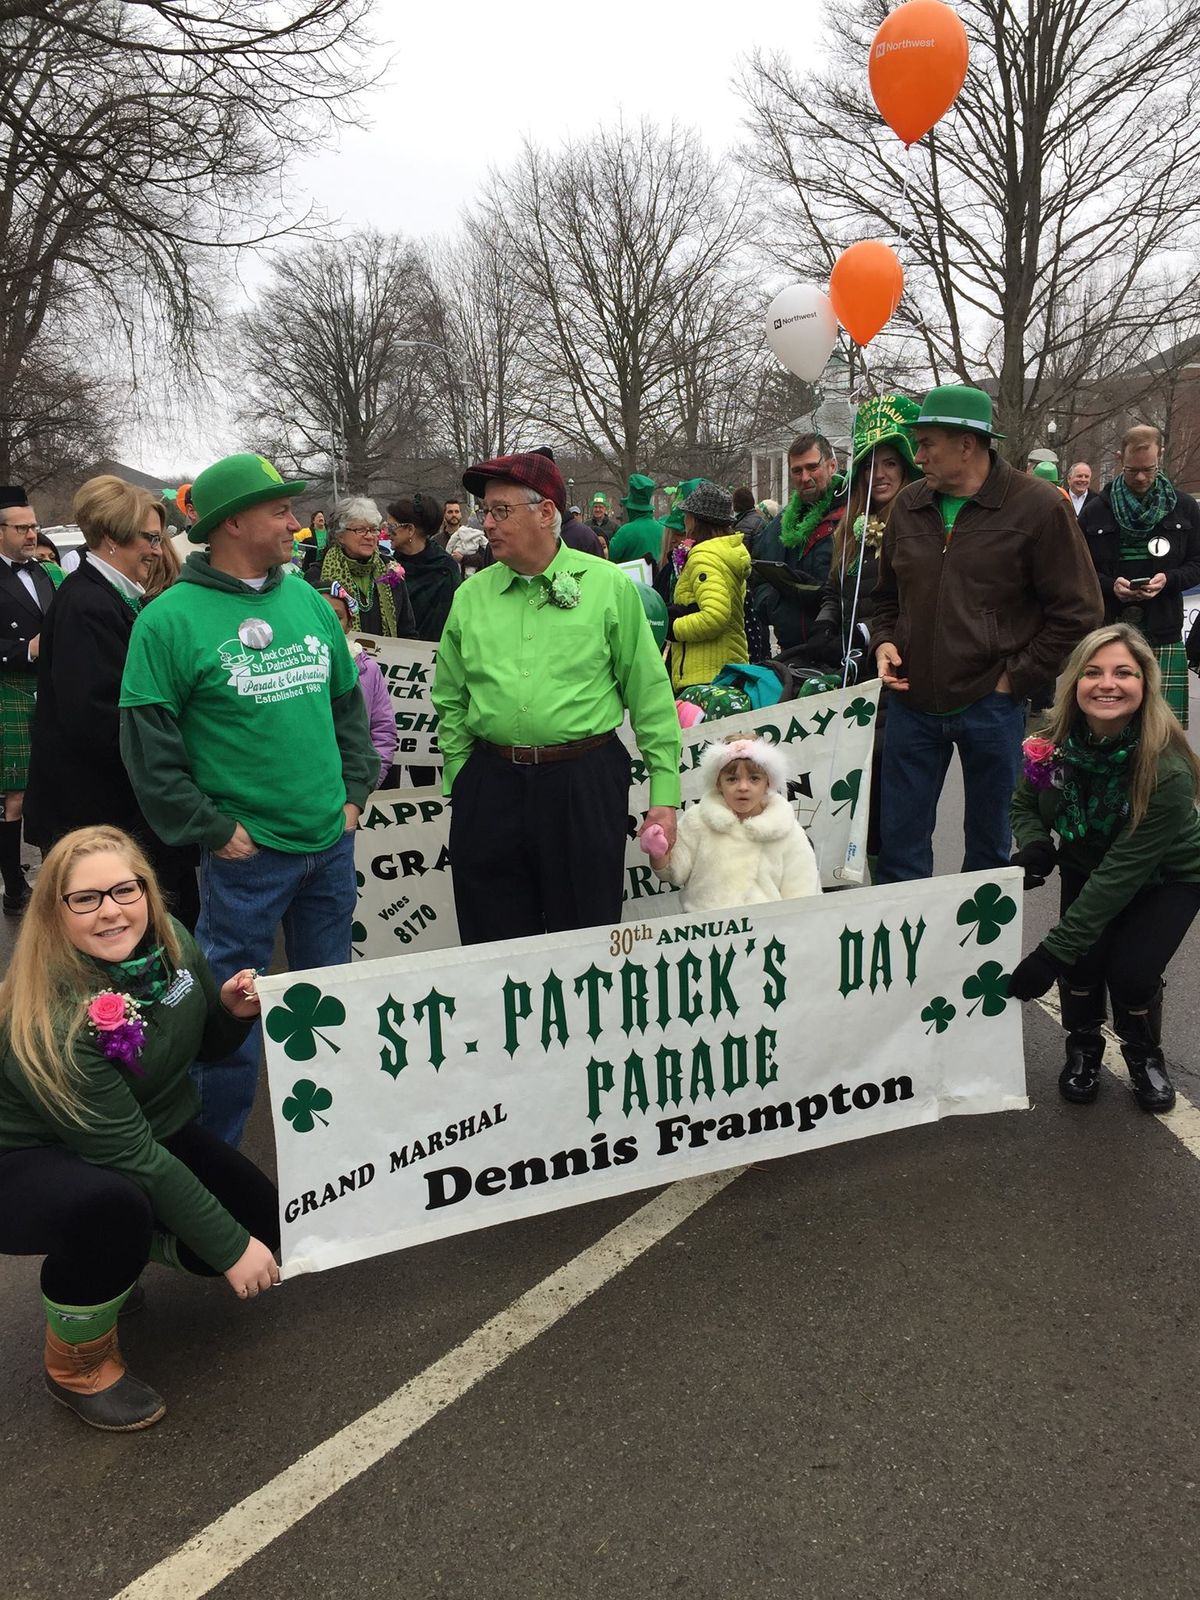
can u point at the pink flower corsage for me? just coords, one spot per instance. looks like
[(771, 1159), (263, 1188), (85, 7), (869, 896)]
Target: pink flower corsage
[(118, 1026), (1041, 763), (392, 575)]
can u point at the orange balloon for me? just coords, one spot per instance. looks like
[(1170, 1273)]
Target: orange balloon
[(865, 288), (918, 64)]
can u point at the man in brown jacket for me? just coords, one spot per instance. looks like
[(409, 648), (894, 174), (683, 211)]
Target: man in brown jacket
[(985, 585)]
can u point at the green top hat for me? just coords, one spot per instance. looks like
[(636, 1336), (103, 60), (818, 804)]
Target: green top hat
[(599, 499), (956, 405), (675, 515), (887, 420), (232, 485), (1046, 470), (638, 500)]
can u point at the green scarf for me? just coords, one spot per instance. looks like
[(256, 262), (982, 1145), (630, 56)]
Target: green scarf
[(1095, 789), (143, 978), (795, 529), (1136, 518), (360, 578)]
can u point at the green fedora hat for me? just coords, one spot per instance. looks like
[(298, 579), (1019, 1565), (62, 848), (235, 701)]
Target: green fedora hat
[(231, 485), (639, 496), (887, 419), (957, 405)]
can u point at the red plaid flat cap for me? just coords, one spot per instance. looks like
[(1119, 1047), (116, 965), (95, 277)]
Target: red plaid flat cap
[(535, 469)]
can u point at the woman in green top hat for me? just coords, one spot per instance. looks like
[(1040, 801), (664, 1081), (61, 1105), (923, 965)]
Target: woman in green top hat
[(1113, 777)]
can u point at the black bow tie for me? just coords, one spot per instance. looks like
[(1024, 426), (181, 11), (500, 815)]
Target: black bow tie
[(27, 566)]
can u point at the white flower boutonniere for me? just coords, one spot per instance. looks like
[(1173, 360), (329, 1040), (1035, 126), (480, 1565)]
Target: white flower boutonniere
[(563, 591)]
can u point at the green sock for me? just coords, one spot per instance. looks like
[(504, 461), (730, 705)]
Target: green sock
[(164, 1249), (78, 1324)]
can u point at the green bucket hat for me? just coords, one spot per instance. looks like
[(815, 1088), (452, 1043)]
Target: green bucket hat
[(956, 405), (675, 515), (639, 497), (232, 485), (887, 420)]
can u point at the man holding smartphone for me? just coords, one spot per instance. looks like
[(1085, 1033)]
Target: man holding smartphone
[(1144, 538)]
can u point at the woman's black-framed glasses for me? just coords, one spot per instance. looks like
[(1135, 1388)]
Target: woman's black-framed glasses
[(81, 901)]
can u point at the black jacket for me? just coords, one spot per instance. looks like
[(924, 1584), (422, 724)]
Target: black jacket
[(1160, 618), (20, 617), (76, 775), (431, 577)]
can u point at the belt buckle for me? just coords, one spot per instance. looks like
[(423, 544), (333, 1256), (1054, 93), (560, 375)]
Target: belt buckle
[(529, 757)]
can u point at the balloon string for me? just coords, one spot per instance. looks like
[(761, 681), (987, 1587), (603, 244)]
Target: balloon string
[(848, 632)]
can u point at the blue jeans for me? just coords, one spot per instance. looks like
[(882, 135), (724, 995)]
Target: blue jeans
[(241, 905), (916, 756)]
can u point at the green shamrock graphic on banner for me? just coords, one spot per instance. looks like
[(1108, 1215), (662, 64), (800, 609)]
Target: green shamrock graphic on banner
[(295, 1023), (847, 790), (988, 988), (939, 1014), (991, 909), (304, 1103), (859, 712)]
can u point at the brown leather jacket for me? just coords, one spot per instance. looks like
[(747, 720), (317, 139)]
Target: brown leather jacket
[(1013, 591)]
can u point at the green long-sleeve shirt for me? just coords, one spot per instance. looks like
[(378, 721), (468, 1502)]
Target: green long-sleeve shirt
[(516, 669), (125, 1114), (1164, 848)]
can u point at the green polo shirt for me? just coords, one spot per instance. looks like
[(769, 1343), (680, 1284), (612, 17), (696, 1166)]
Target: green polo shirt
[(513, 668)]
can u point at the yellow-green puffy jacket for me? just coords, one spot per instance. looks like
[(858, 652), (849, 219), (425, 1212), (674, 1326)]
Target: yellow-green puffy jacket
[(713, 580)]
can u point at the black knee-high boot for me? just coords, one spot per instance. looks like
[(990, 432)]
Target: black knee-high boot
[(1083, 1017), (1140, 1033), (16, 891)]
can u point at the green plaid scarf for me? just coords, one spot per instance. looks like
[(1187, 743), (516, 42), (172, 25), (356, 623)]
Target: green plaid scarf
[(1136, 518), (1095, 789)]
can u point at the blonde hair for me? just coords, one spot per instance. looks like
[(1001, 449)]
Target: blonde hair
[(109, 508), (1141, 437), (1159, 726), (44, 993)]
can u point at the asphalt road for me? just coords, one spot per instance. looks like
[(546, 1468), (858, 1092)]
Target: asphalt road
[(954, 1361)]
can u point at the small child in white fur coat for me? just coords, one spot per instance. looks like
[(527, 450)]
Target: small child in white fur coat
[(741, 844)]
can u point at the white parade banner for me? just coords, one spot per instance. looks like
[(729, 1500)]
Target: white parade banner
[(408, 666), (405, 888), (417, 1097)]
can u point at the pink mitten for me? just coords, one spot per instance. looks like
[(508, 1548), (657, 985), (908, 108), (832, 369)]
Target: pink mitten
[(653, 840)]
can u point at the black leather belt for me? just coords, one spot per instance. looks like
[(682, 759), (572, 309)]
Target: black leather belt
[(536, 755)]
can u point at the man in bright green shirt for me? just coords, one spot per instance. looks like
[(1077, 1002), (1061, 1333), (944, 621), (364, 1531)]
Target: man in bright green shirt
[(542, 655)]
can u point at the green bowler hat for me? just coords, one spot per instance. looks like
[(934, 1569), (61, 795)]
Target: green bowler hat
[(955, 406), (1047, 471), (231, 485)]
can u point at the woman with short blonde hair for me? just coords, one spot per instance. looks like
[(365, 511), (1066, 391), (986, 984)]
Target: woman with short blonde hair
[(1114, 778)]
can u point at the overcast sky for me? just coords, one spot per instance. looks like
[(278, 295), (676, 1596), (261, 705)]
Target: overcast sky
[(467, 84)]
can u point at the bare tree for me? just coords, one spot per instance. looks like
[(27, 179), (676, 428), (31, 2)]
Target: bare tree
[(327, 356), (613, 239), (1058, 200), (132, 147)]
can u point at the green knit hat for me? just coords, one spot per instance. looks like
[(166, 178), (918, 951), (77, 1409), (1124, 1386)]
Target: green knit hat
[(638, 499), (675, 515), (956, 405), (887, 420), (231, 485)]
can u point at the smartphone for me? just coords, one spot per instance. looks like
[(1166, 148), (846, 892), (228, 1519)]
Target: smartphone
[(1139, 583)]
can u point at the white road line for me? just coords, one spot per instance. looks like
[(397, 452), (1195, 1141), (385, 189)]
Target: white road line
[(215, 1552), (1183, 1120)]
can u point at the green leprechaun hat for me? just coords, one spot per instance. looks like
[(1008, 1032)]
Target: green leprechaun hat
[(231, 485), (957, 405), (638, 499), (887, 420)]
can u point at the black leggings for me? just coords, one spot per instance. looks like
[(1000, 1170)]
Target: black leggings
[(93, 1225), (1134, 950)]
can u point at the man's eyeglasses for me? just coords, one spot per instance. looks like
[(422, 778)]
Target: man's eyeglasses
[(502, 510), (22, 527), (81, 901)]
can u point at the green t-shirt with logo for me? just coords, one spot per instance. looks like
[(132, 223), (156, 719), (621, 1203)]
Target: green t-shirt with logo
[(257, 721), (950, 507)]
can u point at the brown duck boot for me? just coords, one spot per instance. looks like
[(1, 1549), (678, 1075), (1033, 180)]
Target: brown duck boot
[(91, 1379)]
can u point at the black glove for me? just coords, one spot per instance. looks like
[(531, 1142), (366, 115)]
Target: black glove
[(823, 646), (674, 613), (1035, 975), (1039, 860)]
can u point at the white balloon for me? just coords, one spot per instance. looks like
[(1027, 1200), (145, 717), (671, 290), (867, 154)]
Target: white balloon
[(802, 329)]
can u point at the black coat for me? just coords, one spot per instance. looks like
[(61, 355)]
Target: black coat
[(20, 617), (76, 776), (1160, 618)]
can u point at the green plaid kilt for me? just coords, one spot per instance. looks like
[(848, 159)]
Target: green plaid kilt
[(1172, 661), (16, 727)]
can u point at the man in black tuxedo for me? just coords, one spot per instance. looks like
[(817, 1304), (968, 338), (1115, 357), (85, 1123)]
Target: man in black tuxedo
[(25, 594)]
